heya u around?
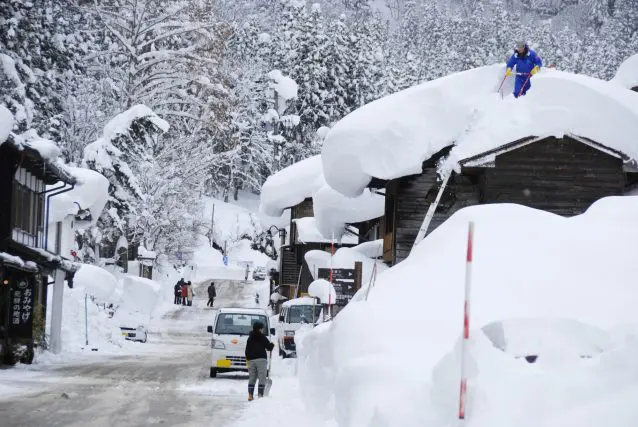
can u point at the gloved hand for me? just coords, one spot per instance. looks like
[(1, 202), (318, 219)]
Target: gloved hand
[(508, 72), (535, 70)]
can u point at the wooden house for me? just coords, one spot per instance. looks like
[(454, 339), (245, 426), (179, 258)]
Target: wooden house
[(294, 273), (559, 175), (25, 263)]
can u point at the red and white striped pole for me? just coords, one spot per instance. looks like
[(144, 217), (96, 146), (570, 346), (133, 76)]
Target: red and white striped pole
[(466, 321), (332, 254)]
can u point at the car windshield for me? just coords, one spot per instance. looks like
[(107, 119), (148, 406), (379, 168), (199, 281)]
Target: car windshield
[(303, 313), (237, 323)]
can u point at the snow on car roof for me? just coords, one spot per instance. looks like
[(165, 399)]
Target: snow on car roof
[(391, 137), (242, 310), (300, 301)]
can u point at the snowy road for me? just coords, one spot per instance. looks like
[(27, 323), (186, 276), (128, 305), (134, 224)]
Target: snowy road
[(166, 382)]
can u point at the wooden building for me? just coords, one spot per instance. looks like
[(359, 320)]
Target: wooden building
[(24, 263), (559, 175), (294, 273)]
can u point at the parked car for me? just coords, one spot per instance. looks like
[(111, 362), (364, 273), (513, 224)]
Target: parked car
[(135, 334), (230, 333), (259, 273), (295, 313)]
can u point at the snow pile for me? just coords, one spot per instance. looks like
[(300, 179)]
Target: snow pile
[(91, 191), (627, 74), (6, 123), (528, 265), (141, 298), (45, 147), (323, 290), (291, 186), (142, 252), (391, 137), (99, 283), (308, 232)]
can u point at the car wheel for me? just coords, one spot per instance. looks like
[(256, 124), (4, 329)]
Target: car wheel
[(213, 373)]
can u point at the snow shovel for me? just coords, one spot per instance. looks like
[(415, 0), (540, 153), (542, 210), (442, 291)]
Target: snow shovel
[(268, 379)]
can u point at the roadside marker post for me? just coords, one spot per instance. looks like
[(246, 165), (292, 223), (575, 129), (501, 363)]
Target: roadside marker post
[(466, 322)]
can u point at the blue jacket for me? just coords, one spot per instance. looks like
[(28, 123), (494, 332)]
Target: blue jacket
[(524, 64)]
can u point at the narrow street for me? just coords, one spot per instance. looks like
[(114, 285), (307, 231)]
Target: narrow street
[(165, 383)]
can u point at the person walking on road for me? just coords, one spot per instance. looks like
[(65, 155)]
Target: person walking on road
[(184, 291), (211, 295), (178, 291), (257, 359), (189, 293)]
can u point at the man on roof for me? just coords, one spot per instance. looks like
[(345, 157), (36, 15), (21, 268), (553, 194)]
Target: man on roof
[(527, 63)]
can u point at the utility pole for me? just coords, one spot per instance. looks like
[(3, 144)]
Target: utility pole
[(212, 227)]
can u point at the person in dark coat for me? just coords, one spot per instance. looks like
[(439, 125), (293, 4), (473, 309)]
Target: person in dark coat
[(178, 291), (257, 359), (211, 295)]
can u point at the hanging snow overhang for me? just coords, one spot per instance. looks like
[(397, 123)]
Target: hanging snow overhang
[(487, 159)]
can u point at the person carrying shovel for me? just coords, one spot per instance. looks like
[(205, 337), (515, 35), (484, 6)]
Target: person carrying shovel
[(257, 359), (527, 63)]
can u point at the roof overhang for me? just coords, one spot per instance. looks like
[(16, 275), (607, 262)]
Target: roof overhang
[(43, 168), (487, 159)]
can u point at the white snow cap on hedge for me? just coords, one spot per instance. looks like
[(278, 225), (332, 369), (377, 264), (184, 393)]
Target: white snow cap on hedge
[(627, 74), (324, 290), (391, 137), (6, 123)]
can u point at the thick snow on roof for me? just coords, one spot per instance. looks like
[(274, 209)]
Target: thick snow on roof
[(91, 191), (391, 137), (307, 232), (6, 123), (324, 290), (332, 210), (627, 74), (300, 301), (559, 103), (291, 185)]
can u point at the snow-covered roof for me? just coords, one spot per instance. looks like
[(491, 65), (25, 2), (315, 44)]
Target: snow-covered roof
[(391, 137), (307, 232), (332, 210), (91, 191), (627, 74), (291, 186)]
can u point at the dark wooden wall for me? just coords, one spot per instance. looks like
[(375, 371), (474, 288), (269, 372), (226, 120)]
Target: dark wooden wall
[(563, 176), (8, 167)]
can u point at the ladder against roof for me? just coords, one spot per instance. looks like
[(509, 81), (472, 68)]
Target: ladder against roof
[(431, 210)]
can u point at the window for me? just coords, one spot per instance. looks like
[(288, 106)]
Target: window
[(27, 212), (303, 313), (237, 323)]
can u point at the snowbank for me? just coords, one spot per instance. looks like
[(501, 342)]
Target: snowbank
[(308, 232), (91, 191), (6, 123), (528, 264), (391, 137), (627, 74), (291, 186)]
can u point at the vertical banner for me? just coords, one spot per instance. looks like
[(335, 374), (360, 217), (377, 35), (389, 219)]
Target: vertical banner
[(21, 303)]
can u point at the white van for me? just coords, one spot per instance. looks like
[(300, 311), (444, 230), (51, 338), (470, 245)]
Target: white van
[(230, 333), (293, 315)]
